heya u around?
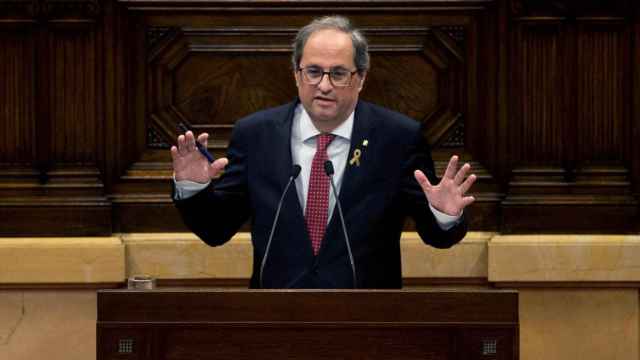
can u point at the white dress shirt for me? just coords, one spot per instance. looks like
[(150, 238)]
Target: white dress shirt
[(303, 148), (304, 137)]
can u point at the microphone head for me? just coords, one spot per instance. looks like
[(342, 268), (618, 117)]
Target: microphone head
[(328, 168), (295, 171)]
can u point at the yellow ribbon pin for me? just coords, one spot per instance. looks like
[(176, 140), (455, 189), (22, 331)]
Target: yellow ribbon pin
[(356, 157)]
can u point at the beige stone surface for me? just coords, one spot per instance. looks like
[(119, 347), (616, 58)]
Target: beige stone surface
[(558, 323), (47, 324), (185, 256), (584, 324), (564, 258), (61, 260), (467, 259)]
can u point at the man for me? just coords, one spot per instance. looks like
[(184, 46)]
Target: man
[(380, 160)]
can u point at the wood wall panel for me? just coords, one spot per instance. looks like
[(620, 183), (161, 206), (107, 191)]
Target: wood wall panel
[(231, 88), (541, 97), (205, 80), (17, 98), (635, 103), (55, 186), (540, 135), (580, 137), (72, 89), (206, 73), (602, 123)]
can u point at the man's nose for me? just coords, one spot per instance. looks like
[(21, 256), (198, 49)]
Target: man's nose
[(325, 84)]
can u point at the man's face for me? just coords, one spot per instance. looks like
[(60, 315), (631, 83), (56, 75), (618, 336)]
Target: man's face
[(327, 105)]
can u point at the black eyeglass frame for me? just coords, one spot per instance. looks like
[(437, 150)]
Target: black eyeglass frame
[(307, 81)]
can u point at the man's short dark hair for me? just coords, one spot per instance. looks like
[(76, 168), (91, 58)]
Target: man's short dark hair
[(341, 23)]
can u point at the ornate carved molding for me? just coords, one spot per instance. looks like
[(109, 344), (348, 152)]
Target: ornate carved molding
[(18, 8), (68, 199), (456, 135), (50, 10), (155, 140), (155, 35), (585, 199), (294, 6), (439, 51), (456, 32), (53, 9), (570, 8)]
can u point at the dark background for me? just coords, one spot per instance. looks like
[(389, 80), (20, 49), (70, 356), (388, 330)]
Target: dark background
[(541, 97)]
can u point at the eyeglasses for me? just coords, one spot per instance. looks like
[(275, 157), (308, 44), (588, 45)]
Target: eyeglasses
[(338, 77)]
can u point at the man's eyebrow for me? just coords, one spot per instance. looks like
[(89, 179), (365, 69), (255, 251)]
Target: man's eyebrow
[(337, 67)]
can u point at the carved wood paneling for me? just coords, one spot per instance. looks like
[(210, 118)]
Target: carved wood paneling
[(57, 10), (72, 90), (538, 116), (17, 98), (570, 8), (18, 10), (208, 66), (421, 76), (49, 177), (66, 12), (541, 97), (602, 67), (210, 78), (635, 103), (571, 129)]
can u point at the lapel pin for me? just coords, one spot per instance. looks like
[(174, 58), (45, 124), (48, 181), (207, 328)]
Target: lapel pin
[(356, 157)]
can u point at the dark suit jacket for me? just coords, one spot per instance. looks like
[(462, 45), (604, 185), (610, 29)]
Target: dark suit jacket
[(376, 197)]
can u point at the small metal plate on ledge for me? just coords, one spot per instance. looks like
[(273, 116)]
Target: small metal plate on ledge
[(141, 282)]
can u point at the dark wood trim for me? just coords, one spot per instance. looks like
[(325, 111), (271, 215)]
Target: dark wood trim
[(306, 6), (477, 306), (244, 283)]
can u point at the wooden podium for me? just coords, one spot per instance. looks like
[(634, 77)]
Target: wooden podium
[(189, 324)]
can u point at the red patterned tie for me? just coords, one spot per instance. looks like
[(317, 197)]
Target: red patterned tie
[(317, 210)]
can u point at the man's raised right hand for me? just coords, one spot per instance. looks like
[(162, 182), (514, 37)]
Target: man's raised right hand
[(190, 164)]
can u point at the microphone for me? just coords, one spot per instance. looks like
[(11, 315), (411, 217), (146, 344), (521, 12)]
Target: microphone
[(295, 171), (328, 169)]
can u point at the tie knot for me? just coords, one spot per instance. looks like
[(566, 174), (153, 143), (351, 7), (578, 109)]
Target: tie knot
[(324, 140)]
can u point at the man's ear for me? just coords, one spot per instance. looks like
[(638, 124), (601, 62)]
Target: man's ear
[(295, 77), (362, 77)]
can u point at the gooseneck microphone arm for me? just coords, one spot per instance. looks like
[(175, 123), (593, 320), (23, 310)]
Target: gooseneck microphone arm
[(295, 171), (328, 169)]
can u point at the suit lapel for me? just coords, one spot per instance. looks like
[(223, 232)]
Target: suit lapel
[(356, 171), (280, 148), (292, 213)]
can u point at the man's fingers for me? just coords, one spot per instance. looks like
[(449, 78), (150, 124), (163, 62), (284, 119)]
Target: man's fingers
[(466, 185), (190, 141), (422, 180), (461, 174), (203, 139), (452, 167), (174, 153), (217, 166), (467, 200), (182, 146)]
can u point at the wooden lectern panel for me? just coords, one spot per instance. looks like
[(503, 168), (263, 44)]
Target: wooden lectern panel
[(180, 324)]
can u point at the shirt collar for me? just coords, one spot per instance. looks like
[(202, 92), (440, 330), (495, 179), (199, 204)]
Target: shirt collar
[(307, 130)]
